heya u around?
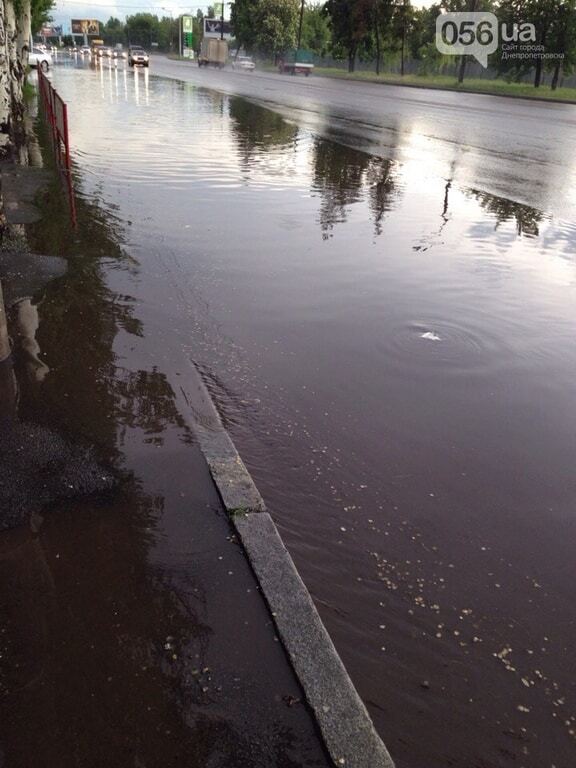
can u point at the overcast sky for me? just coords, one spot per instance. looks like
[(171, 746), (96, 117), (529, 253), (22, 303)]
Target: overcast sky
[(103, 9)]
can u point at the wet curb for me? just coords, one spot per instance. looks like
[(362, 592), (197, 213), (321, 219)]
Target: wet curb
[(345, 725)]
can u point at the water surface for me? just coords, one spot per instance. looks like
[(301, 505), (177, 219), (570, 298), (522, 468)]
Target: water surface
[(394, 356)]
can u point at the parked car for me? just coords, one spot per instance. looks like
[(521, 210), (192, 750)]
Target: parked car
[(243, 62), (137, 57), (40, 59)]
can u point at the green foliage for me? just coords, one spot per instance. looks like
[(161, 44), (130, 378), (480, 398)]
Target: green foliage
[(276, 22), (40, 13), (142, 29), (268, 26), (352, 26), (316, 35), (555, 23), (113, 31)]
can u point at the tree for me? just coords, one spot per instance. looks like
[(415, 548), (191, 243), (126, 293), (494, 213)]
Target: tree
[(114, 31), (562, 42), (40, 13), (316, 35), (142, 29), (242, 17), (553, 20), (351, 25), (265, 25), (276, 23)]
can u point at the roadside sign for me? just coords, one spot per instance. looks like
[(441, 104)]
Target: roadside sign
[(187, 36)]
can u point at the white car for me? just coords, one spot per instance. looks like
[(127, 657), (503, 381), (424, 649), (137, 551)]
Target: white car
[(137, 57), (243, 62), (40, 59)]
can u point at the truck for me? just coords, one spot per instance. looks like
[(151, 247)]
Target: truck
[(213, 53), (297, 61)]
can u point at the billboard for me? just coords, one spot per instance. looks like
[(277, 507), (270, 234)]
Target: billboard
[(213, 28), (49, 30), (85, 27)]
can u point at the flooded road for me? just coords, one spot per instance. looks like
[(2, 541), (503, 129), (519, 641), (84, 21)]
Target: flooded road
[(393, 353)]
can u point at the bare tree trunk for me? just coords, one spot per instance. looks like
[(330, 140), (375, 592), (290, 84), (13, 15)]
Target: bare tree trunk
[(16, 81), (377, 33), (557, 74), (538, 73), (5, 90), (462, 69), (352, 60), (24, 24)]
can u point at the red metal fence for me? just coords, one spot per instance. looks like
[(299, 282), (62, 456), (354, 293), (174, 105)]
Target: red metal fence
[(55, 114)]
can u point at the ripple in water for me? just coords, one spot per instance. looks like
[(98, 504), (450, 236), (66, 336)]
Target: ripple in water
[(441, 347)]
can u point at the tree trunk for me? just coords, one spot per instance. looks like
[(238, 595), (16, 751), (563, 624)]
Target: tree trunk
[(5, 94), (462, 69), (352, 59), (16, 74), (539, 64), (12, 33), (377, 33), (557, 73), (24, 25), (538, 73)]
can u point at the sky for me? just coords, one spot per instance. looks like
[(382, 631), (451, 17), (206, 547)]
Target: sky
[(103, 9)]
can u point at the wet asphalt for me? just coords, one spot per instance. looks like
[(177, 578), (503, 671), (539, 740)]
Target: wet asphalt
[(517, 149)]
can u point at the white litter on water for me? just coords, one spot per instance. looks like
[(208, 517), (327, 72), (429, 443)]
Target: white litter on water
[(430, 336)]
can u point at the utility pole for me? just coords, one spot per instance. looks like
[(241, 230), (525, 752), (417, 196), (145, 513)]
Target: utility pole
[(403, 36), (222, 22), (300, 27)]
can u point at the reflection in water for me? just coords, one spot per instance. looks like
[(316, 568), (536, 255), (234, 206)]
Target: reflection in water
[(338, 178), (258, 130), (25, 326), (344, 176), (119, 640), (142, 83), (527, 219), (91, 677)]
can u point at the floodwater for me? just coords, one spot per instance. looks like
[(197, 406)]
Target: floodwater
[(394, 356)]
